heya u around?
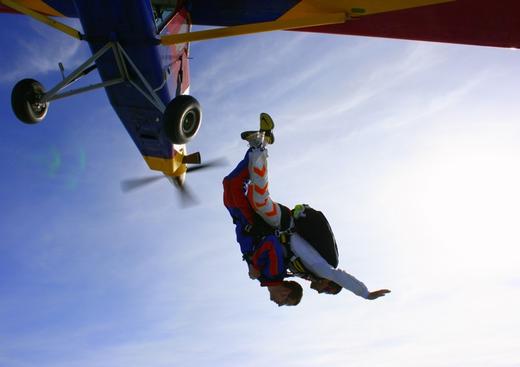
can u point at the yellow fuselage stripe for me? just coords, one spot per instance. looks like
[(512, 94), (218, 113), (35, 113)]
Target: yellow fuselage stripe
[(168, 166), (308, 21), (42, 18)]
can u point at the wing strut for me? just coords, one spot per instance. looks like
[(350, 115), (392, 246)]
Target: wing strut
[(277, 25), (42, 18)]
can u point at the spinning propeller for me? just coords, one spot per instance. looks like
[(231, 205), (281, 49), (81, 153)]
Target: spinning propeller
[(186, 196)]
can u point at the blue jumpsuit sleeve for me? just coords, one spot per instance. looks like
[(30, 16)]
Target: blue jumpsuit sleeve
[(269, 259)]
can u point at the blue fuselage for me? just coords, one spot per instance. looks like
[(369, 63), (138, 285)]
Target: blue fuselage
[(132, 24)]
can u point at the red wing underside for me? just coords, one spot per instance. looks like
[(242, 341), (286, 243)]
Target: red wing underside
[(477, 22)]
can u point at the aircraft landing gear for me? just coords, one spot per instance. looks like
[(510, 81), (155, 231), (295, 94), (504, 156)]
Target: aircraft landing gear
[(181, 119), (26, 101)]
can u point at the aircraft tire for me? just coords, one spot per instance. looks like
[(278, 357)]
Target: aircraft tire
[(182, 118), (24, 101)]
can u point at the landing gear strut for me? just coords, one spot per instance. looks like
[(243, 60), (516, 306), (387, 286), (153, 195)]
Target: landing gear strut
[(181, 117)]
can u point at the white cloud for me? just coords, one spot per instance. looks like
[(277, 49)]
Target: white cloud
[(41, 52), (376, 79), (236, 65)]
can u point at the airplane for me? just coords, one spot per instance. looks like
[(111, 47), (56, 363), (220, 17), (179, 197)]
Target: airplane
[(140, 49)]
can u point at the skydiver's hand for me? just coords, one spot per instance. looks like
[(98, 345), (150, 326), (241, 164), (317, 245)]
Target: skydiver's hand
[(377, 294), (253, 272)]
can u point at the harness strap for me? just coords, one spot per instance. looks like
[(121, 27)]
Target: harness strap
[(296, 263), (286, 226)]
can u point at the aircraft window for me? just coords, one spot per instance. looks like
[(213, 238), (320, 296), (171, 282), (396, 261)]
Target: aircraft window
[(163, 11)]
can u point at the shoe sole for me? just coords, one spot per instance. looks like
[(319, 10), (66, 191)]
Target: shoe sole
[(266, 122), (246, 134)]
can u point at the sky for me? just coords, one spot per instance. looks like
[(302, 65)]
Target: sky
[(409, 148)]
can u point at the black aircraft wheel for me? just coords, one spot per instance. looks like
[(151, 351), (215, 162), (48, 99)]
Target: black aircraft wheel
[(26, 101), (181, 119)]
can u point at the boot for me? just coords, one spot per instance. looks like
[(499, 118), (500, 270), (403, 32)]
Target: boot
[(264, 135)]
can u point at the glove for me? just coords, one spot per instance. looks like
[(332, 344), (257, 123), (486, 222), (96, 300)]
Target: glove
[(299, 211), (253, 272)]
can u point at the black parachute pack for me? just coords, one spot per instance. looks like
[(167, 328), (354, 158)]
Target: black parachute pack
[(314, 228)]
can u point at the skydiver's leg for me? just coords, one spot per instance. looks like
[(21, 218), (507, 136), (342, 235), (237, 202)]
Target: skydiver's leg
[(237, 205)]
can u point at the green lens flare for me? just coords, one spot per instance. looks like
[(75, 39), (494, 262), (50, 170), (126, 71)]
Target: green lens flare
[(82, 160), (55, 162), (72, 180)]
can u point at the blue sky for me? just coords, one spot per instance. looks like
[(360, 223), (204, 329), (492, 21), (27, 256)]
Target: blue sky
[(411, 149)]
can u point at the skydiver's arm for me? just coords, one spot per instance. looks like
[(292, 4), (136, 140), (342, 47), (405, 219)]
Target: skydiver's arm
[(342, 278), (318, 265), (268, 259)]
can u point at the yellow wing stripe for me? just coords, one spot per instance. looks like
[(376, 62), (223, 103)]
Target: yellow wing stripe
[(18, 6), (309, 20), (39, 6)]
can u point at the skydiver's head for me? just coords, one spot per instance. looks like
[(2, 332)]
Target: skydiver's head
[(288, 293), (325, 286)]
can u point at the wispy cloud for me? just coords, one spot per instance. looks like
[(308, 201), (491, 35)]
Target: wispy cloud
[(372, 80), (235, 65), (40, 53)]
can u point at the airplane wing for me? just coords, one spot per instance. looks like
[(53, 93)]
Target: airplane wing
[(477, 22), (55, 8)]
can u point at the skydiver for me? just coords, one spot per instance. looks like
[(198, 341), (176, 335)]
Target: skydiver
[(268, 237)]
